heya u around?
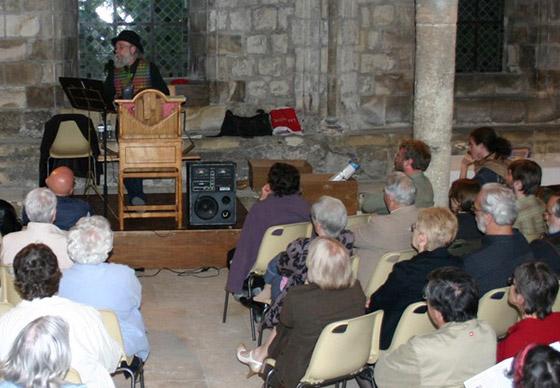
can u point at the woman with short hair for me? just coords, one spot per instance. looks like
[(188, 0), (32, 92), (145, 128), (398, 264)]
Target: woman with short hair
[(332, 294), (40, 356), (280, 203), (432, 233), (533, 292)]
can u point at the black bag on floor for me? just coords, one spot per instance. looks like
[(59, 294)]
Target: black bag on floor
[(258, 125)]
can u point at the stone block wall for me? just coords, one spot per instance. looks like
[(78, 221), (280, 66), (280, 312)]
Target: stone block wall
[(528, 91), (38, 44)]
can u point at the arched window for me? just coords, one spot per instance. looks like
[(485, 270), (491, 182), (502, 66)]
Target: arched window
[(480, 36), (162, 25)]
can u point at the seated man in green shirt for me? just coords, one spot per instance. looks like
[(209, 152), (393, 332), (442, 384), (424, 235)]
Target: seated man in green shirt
[(412, 158)]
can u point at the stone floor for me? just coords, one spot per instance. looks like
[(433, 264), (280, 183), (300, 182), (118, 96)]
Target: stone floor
[(191, 347)]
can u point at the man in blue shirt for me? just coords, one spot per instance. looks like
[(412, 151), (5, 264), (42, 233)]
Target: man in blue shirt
[(68, 209)]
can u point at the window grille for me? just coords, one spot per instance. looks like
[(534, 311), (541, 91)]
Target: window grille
[(480, 36), (162, 25)]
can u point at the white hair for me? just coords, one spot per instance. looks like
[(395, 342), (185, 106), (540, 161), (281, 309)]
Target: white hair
[(331, 214), (498, 201), (40, 205), (401, 188), (329, 265), (90, 240), (40, 355)]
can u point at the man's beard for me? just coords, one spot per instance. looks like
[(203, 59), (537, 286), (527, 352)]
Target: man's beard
[(124, 60), (481, 223)]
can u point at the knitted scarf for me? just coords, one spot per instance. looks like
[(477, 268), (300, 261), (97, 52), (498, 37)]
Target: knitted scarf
[(140, 79)]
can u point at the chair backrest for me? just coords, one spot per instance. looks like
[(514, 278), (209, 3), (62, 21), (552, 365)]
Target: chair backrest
[(495, 309), (375, 337), (275, 240), (556, 305), (150, 114), (356, 221), (5, 307), (73, 377), (111, 323), (343, 348), (384, 268), (69, 141), (9, 293), (355, 265), (414, 321)]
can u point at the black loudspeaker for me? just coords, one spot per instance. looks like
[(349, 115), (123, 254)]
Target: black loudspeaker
[(212, 199)]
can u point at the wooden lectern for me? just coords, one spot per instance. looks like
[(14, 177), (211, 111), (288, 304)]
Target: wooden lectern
[(150, 146)]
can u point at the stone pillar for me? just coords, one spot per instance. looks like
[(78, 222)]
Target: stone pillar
[(332, 90), (436, 26)]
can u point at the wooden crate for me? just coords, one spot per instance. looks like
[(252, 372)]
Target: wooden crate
[(258, 170), (313, 186)]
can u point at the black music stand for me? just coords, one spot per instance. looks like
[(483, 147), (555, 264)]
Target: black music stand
[(88, 94)]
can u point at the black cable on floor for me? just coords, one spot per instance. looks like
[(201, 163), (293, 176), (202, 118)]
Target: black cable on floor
[(195, 272)]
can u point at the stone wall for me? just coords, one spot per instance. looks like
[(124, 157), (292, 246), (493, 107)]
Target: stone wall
[(37, 45), (528, 91)]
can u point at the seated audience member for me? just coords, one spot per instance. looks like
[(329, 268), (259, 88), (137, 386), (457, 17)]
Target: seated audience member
[(536, 366), (488, 153), (68, 210), (280, 203), (331, 294), (94, 353), (462, 195), (433, 232), (547, 248), (387, 233), (533, 293), (40, 356), (41, 210), (289, 268), (524, 177), (94, 282), (412, 158), (503, 248), (461, 347), (8, 218)]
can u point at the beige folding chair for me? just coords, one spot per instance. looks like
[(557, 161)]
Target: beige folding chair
[(9, 293), (275, 240), (355, 265), (355, 221), (384, 268), (73, 376), (414, 321), (111, 323), (495, 309), (341, 352), (556, 305), (375, 337), (5, 307), (70, 143)]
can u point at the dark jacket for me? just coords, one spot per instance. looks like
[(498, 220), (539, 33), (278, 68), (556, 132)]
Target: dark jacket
[(307, 310), (494, 262), (547, 249), (405, 285)]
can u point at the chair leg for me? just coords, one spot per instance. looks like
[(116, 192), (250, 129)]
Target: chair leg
[(261, 330), (224, 315), (251, 311)]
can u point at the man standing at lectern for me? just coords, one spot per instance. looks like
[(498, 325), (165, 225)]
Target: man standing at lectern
[(127, 75)]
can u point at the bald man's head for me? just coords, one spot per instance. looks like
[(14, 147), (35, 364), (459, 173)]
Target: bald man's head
[(61, 181)]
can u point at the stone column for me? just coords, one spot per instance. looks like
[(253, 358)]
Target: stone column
[(436, 27), (332, 94)]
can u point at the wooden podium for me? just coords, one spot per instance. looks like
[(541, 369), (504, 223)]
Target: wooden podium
[(150, 146)]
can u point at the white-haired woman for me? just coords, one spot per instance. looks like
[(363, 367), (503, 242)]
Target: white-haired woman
[(40, 356), (332, 294), (289, 268), (94, 282)]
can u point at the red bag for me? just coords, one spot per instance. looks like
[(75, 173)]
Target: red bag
[(284, 121)]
